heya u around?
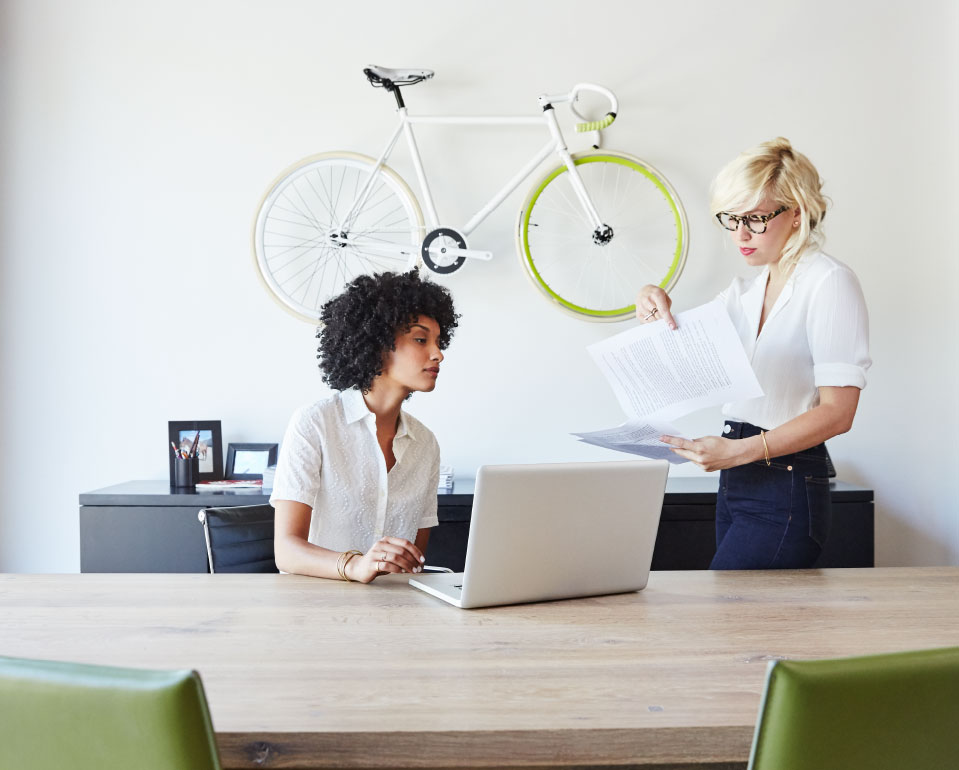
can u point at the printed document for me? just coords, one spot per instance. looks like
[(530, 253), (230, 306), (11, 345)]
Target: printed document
[(659, 374)]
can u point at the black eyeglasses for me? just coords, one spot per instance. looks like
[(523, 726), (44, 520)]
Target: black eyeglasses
[(755, 223)]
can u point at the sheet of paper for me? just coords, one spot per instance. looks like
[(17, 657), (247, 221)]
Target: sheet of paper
[(637, 437), (659, 374)]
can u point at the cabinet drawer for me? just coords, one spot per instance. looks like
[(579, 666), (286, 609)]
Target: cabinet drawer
[(141, 539)]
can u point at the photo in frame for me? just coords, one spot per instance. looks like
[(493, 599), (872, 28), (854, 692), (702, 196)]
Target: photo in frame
[(248, 461), (209, 446)]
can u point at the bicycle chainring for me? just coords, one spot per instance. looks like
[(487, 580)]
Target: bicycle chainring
[(438, 241)]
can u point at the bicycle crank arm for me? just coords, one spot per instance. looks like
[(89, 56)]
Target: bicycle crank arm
[(451, 252)]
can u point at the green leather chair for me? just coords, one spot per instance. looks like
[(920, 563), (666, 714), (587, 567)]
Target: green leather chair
[(55, 716), (880, 712)]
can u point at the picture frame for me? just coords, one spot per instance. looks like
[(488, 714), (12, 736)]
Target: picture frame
[(209, 446), (248, 461)]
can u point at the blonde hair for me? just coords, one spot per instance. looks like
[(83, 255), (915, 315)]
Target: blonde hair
[(776, 170)]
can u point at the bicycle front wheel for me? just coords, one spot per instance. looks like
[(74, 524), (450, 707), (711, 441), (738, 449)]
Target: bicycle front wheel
[(310, 238), (592, 277)]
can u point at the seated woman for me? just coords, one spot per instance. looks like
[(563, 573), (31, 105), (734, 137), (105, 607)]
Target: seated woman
[(355, 486)]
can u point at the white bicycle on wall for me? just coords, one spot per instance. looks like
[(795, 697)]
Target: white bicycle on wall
[(591, 231)]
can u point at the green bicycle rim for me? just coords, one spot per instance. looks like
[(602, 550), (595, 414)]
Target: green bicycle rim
[(677, 221)]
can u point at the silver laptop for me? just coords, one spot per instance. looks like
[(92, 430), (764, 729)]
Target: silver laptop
[(556, 531)]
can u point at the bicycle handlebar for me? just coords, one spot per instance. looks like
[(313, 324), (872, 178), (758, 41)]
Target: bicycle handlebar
[(593, 125), (596, 125)]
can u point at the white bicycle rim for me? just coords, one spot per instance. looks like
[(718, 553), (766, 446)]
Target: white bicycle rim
[(598, 282), (294, 247)]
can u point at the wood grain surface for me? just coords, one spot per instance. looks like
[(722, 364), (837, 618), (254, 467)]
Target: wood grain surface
[(311, 673)]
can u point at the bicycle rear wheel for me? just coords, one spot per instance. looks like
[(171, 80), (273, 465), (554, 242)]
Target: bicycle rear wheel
[(304, 247), (594, 278)]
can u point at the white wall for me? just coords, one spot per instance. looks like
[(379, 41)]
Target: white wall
[(137, 138)]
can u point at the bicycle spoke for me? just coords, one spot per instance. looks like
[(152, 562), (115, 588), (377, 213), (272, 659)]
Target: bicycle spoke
[(309, 218), (308, 244), (306, 206), (339, 190), (323, 202), (371, 196), (376, 225), (573, 204)]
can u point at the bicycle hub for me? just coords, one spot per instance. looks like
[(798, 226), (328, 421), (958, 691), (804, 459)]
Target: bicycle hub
[(602, 235)]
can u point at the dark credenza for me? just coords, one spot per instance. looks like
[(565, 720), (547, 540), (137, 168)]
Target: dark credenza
[(146, 526)]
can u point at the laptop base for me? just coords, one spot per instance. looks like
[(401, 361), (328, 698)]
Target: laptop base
[(447, 586)]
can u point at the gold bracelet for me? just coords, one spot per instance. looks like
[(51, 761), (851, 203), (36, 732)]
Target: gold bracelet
[(340, 561), (765, 447), (346, 556)]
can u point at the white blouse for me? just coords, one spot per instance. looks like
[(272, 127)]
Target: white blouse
[(330, 460), (816, 335)]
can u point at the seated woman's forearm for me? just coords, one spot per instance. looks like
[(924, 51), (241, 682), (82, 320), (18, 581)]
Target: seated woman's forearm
[(295, 555)]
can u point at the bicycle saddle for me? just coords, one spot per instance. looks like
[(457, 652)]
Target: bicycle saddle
[(379, 76)]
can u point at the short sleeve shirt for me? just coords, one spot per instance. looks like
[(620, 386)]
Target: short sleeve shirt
[(816, 335), (330, 460)]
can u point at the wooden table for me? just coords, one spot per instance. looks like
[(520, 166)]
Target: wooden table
[(308, 673)]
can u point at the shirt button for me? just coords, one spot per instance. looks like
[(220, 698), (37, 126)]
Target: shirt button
[(726, 428)]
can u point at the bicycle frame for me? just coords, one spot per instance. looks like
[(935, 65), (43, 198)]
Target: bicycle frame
[(556, 143)]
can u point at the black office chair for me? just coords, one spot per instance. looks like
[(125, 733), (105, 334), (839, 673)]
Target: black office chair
[(239, 539)]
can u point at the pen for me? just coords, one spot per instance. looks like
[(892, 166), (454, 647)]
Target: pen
[(196, 441), (175, 452)]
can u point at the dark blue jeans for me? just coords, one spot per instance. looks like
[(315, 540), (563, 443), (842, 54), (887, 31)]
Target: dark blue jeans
[(772, 516)]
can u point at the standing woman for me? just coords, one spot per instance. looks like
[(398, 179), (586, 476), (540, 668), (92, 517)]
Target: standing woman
[(804, 326), (355, 486)]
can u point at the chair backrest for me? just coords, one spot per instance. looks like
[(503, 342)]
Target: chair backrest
[(880, 711), (239, 539), (82, 717)]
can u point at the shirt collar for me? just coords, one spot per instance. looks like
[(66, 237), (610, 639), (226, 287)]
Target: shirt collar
[(355, 409), (752, 298), (405, 427)]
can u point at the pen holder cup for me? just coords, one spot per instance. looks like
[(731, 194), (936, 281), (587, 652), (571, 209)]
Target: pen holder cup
[(185, 471)]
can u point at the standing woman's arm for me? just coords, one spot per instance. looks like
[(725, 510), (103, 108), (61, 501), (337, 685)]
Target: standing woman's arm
[(837, 330), (833, 415)]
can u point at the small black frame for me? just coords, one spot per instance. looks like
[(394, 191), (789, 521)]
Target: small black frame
[(269, 450), (209, 449)]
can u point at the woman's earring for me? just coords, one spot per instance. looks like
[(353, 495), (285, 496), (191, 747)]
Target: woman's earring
[(795, 224)]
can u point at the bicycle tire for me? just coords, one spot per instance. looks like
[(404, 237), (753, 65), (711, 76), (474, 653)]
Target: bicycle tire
[(649, 243), (295, 250)]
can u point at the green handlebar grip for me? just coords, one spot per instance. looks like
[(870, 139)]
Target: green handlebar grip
[(596, 125)]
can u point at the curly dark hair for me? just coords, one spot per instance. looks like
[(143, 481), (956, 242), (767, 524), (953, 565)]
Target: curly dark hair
[(358, 327)]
